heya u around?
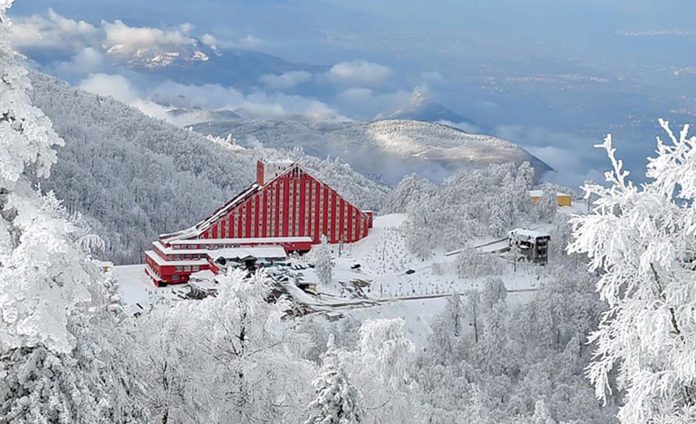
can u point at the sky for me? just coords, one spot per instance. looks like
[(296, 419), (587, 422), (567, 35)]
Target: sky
[(553, 76)]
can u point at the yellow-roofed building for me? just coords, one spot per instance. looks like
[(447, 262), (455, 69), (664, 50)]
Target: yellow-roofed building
[(563, 199)]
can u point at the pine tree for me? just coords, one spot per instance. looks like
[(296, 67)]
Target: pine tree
[(323, 263), (336, 400)]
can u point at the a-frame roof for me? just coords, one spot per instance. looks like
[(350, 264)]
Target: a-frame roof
[(198, 229)]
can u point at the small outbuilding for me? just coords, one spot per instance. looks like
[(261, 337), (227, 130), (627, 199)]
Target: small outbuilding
[(530, 245), (563, 199)]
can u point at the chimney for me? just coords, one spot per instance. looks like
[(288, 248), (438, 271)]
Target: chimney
[(266, 171), (260, 172)]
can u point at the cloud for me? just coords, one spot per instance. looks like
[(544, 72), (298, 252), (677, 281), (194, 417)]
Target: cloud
[(122, 89), (356, 94), (657, 33), (433, 77), (249, 42), (210, 96), (88, 60), (359, 72), (210, 41), (571, 156), (116, 86), (52, 31), (256, 105), (119, 37), (55, 31), (286, 80), (366, 103)]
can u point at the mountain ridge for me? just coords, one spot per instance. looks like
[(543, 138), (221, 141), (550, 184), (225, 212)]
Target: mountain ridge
[(385, 150), (134, 177)]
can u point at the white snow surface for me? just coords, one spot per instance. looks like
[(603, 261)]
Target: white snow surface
[(384, 259)]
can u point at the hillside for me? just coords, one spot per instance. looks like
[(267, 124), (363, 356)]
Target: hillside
[(133, 177), (421, 108), (383, 150)]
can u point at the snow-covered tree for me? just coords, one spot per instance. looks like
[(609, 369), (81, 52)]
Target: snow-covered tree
[(411, 189), (471, 203), (542, 415), (548, 204), (336, 400), (226, 358), (323, 261), (500, 220), (448, 330), (642, 239), (43, 271), (56, 318)]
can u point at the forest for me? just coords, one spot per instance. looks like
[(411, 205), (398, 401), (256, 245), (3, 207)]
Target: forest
[(608, 336)]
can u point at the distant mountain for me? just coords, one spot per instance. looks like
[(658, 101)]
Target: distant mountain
[(199, 64), (134, 177), (421, 108), (160, 56), (383, 150), (194, 115)]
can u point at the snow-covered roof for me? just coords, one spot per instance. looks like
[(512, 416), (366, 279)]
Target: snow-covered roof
[(241, 241), (202, 226), (266, 252), (528, 234), (206, 274), (540, 193), (162, 262), (133, 309)]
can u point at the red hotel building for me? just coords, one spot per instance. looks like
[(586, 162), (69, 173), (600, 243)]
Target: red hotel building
[(286, 206)]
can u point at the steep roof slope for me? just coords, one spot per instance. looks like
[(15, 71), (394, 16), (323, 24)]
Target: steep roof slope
[(134, 177)]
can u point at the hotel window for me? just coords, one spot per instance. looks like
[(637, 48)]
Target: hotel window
[(178, 269)]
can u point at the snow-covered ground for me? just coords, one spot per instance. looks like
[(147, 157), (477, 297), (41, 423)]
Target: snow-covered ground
[(384, 260)]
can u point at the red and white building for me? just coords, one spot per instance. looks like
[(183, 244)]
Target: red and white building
[(285, 207)]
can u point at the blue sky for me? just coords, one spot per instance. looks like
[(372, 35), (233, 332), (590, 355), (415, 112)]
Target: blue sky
[(553, 76)]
